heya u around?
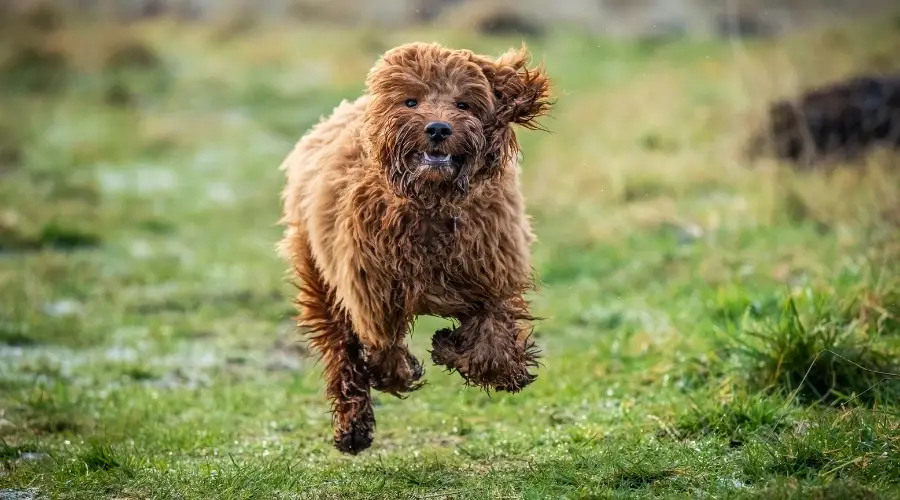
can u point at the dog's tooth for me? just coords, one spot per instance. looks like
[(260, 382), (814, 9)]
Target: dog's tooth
[(441, 158)]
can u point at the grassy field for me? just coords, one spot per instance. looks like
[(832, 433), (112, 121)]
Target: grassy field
[(714, 327)]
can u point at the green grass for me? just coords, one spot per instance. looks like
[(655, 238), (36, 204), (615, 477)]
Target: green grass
[(715, 327)]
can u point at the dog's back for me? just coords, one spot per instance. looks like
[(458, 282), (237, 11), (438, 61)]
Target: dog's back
[(312, 162)]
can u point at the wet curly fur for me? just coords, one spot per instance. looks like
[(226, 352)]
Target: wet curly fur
[(387, 218)]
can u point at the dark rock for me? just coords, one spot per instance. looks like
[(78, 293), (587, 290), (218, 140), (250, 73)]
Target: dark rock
[(508, 23), (842, 120), (743, 25)]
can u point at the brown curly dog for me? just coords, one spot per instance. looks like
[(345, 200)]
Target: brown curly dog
[(406, 202)]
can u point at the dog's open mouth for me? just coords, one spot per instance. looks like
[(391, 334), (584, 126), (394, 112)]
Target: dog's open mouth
[(435, 160), (437, 166), (440, 160)]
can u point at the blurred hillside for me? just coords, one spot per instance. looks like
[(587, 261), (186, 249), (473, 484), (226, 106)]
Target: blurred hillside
[(610, 17)]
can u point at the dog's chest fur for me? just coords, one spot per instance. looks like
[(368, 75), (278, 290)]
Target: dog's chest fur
[(443, 264)]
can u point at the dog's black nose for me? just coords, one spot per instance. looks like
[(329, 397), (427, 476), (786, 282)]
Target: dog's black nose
[(438, 131)]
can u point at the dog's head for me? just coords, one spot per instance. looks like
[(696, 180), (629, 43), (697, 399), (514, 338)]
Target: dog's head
[(440, 119)]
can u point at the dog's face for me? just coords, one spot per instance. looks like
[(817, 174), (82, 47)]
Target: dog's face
[(440, 118)]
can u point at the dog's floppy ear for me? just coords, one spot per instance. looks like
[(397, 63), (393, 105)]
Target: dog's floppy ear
[(521, 94)]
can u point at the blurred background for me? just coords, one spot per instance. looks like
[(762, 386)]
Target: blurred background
[(599, 17), (146, 332)]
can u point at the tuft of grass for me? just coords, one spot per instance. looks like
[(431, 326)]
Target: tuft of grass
[(877, 308), (739, 419), (823, 355), (639, 475), (731, 305), (835, 490), (850, 444), (100, 456)]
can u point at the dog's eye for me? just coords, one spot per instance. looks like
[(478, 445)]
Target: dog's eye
[(462, 105), (411, 103)]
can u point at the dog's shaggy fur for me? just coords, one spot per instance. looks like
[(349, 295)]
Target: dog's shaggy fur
[(406, 202)]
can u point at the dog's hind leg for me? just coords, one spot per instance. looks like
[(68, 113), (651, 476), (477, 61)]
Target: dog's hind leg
[(491, 349), (347, 382)]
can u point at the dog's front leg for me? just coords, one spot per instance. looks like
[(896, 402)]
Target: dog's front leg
[(393, 369), (383, 321), (491, 349)]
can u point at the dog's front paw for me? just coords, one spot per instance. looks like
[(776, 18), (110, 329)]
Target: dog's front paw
[(396, 378), (498, 371), (527, 355), (488, 361)]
